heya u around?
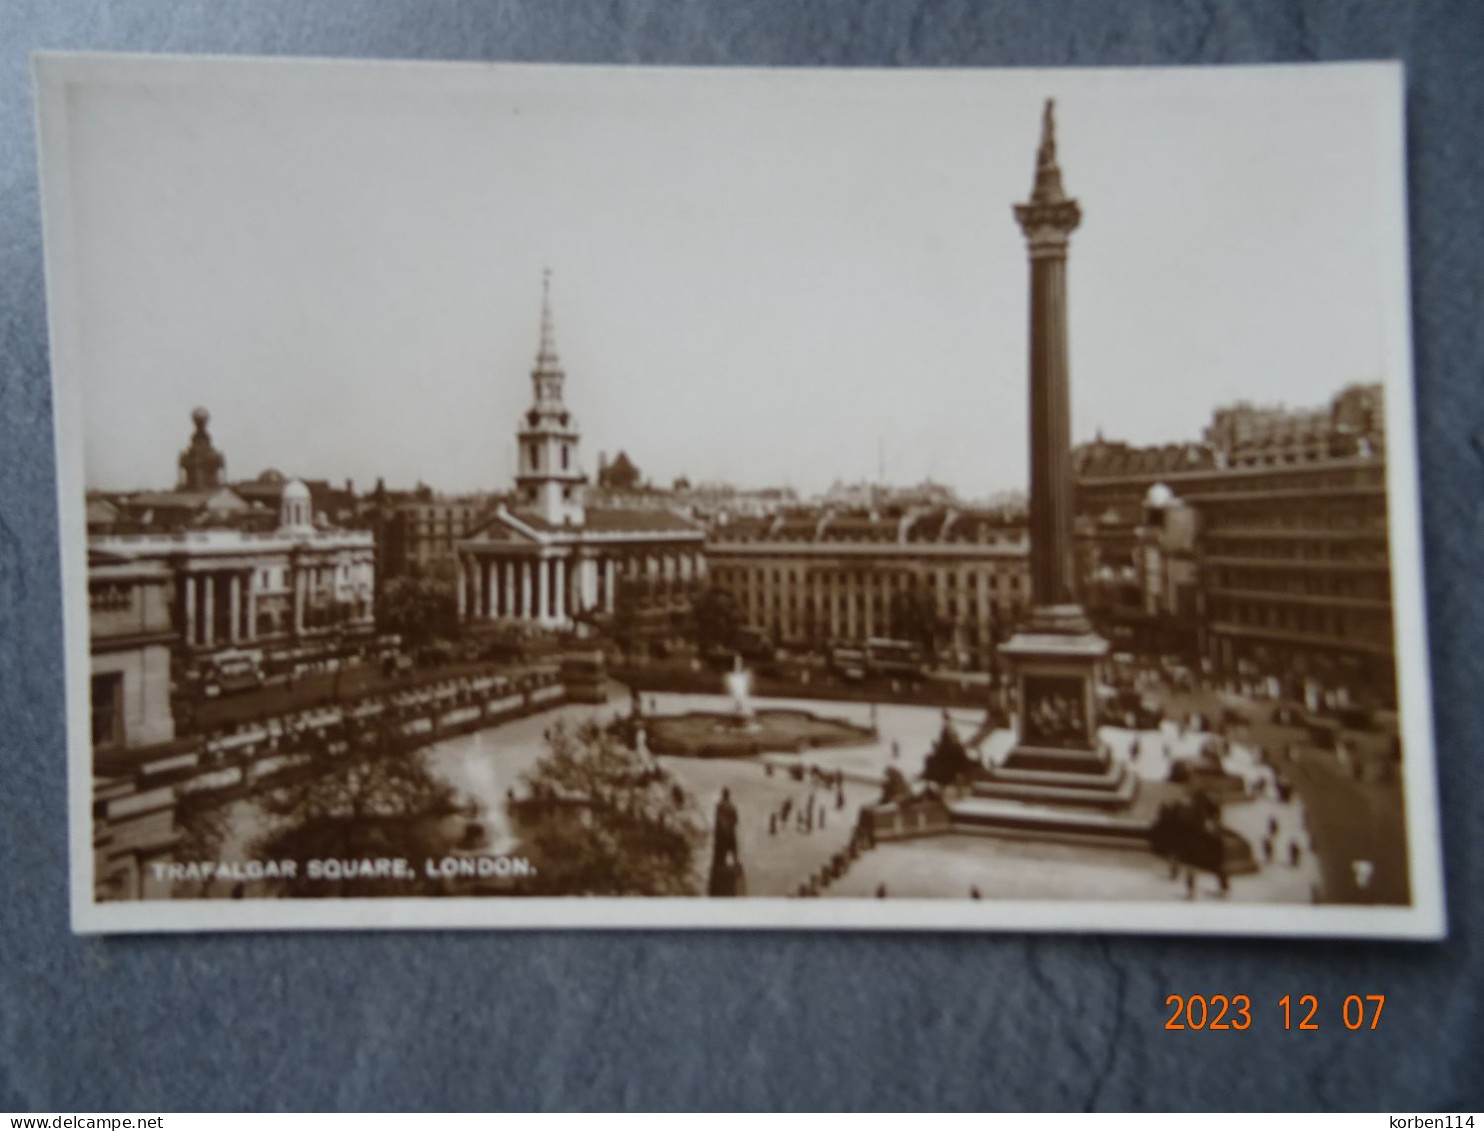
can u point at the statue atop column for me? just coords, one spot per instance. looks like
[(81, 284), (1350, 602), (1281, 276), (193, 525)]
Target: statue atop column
[(1055, 651)]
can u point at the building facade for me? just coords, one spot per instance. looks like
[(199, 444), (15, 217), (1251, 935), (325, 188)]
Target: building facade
[(549, 560), (235, 588), (1291, 555), (954, 581), (132, 639)]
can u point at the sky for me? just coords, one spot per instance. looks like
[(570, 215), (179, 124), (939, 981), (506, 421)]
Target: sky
[(767, 278)]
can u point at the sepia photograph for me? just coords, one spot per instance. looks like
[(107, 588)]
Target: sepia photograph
[(536, 496)]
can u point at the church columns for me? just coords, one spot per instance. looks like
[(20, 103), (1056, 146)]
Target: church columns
[(190, 608), (542, 603), (463, 588), (509, 587), (559, 612), (491, 590), (526, 592), (608, 585), (208, 612), (234, 604), (250, 624)]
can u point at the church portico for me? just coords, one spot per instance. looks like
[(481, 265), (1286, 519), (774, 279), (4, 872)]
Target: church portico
[(564, 579)]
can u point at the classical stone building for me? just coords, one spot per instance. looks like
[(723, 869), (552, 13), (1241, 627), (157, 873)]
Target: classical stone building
[(237, 588), (547, 559), (824, 578), (131, 631), (133, 728)]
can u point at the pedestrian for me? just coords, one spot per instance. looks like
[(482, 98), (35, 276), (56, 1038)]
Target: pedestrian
[(1295, 853), (1272, 826), (772, 824), (880, 891), (839, 797), (896, 749), (974, 892), (1189, 883)]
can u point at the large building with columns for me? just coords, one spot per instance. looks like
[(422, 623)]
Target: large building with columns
[(545, 558), (826, 578), (236, 588)]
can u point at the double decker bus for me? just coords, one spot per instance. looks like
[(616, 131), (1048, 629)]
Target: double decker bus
[(895, 659), (586, 677)]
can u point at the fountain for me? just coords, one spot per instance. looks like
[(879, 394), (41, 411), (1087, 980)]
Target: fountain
[(739, 732), (739, 687)]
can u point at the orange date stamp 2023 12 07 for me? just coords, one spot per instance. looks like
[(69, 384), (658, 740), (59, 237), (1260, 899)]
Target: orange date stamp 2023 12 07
[(1209, 1012)]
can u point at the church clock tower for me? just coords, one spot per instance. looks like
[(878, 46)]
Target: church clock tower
[(549, 479)]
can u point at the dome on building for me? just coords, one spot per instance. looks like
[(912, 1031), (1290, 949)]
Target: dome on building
[(270, 475), (295, 512), (1159, 496)]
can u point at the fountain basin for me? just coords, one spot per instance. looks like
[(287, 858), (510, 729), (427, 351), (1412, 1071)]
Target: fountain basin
[(718, 734)]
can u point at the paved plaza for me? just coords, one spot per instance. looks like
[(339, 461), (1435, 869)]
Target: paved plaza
[(485, 765)]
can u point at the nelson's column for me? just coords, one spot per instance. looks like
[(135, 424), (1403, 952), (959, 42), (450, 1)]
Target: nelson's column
[(1054, 653)]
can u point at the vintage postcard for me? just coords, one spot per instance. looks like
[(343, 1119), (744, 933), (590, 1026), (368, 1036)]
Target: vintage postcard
[(531, 496)]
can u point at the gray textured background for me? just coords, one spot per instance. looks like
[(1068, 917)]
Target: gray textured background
[(768, 1020)]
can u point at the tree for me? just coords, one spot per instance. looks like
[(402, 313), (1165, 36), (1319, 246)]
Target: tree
[(948, 761), (600, 818), (914, 616), (419, 609), (380, 801), (716, 618)]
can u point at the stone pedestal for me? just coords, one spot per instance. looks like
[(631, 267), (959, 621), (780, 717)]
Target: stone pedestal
[(1057, 757)]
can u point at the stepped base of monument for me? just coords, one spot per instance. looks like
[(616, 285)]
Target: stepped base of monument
[(1045, 776), (1090, 763), (990, 816)]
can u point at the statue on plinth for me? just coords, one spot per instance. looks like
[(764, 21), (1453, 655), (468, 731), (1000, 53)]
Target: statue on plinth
[(726, 863)]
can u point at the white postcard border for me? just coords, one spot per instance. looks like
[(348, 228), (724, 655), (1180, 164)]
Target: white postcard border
[(1424, 919)]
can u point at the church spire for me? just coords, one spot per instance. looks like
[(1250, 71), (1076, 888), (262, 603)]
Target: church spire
[(548, 476), (546, 355)]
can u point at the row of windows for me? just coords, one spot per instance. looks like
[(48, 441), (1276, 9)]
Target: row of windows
[(745, 576), (1337, 624), (1259, 517), (1342, 552), (1094, 499), (1364, 586)]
